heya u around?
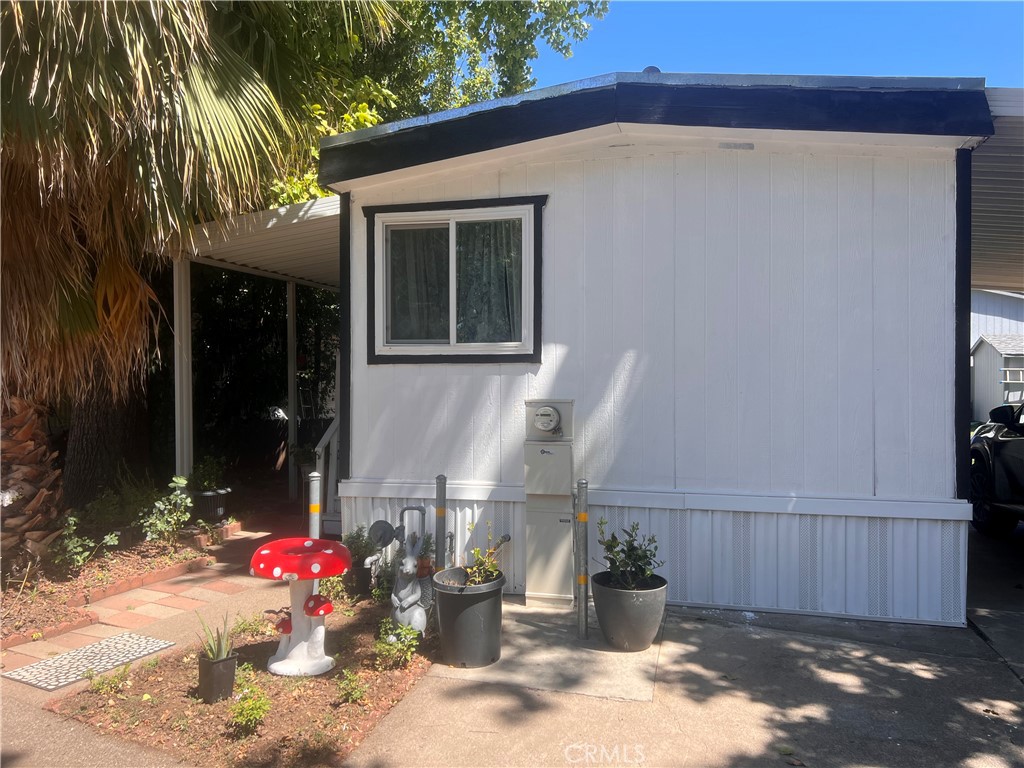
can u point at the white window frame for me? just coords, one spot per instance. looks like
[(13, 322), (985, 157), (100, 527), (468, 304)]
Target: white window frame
[(525, 213)]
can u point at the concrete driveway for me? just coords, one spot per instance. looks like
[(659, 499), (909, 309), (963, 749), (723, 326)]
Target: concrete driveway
[(995, 593)]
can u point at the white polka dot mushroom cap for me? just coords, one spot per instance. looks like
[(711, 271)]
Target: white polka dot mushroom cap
[(300, 559), (317, 605)]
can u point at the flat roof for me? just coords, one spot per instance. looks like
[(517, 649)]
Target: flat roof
[(884, 105)]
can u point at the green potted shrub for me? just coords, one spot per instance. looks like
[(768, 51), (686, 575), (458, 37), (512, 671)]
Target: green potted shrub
[(217, 663), (629, 597), (468, 601), (357, 580), (209, 493)]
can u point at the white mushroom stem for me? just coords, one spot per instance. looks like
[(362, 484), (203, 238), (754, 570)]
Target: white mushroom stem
[(301, 652)]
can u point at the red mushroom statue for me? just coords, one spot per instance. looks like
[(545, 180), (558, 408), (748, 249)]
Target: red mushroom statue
[(299, 562)]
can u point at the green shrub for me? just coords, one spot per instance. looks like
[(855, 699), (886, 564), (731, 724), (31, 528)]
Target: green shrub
[(256, 625), (631, 559), (358, 544), (251, 705), (108, 685), (351, 689), (395, 645), (75, 550), (207, 474), (384, 583), (333, 588), (169, 514)]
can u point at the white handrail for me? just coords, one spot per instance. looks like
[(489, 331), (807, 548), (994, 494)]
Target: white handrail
[(327, 469)]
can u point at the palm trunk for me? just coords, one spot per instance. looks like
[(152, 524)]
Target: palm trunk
[(106, 435), (31, 496)]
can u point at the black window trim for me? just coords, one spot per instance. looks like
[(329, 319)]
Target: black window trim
[(371, 211)]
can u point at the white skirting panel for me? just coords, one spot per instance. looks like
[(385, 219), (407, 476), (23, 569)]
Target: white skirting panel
[(911, 570), (503, 517), (864, 567)]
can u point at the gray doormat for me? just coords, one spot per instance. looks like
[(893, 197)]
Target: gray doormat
[(96, 658)]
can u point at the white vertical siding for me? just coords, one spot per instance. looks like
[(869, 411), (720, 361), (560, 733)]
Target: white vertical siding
[(734, 321), (741, 322)]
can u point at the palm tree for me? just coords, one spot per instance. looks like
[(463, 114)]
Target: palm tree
[(124, 124)]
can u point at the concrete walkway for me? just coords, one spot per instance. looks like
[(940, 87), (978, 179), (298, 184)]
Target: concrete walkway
[(719, 688), (726, 689)]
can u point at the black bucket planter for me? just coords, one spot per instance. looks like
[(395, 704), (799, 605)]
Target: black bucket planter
[(216, 678), (211, 506), (357, 581), (629, 618), (469, 619)]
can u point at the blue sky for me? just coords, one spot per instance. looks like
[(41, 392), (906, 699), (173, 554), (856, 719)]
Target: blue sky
[(921, 39)]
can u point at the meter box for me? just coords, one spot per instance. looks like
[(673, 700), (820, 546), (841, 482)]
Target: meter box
[(549, 420), (548, 468)]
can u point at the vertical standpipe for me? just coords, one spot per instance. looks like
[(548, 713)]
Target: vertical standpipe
[(582, 573), (314, 505), (314, 516), (440, 522)]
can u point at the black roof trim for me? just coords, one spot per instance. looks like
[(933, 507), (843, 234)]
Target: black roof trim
[(920, 111)]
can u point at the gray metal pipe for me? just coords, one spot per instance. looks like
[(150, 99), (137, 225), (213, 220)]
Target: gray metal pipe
[(440, 522), (580, 558), (314, 515), (314, 505)]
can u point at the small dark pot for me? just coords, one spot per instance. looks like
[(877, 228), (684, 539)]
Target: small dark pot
[(357, 581), (629, 618), (216, 678), (468, 618), (211, 506)]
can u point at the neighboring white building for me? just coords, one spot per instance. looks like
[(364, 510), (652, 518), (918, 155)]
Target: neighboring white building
[(997, 312), (997, 373)]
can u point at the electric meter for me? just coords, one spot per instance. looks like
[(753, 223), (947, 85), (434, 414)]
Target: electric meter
[(546, 419)]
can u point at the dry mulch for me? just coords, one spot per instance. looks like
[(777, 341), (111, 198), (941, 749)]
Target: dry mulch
[(41, 601), (309, 723)]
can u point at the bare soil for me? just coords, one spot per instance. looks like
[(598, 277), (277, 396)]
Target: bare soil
[(309, 723), (40, 601)]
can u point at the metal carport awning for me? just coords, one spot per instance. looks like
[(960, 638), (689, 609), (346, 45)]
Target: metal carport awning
[(297, 244), (997, 197)]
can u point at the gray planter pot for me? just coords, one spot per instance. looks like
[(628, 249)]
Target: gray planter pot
[(211, 506), (468, 618), (629, 618), (216, 678)]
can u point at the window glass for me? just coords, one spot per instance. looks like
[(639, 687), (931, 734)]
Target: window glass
[(489, 281), (417, 281)]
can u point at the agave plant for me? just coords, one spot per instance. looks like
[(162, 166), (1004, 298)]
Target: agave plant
[(216, 642)]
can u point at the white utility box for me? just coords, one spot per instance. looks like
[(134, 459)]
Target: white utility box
[(549, 485), (548, 468)]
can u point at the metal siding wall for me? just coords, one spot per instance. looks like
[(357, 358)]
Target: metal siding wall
[(504, 517), (911, 570), (994, 313), (988, 391), (694, 297)]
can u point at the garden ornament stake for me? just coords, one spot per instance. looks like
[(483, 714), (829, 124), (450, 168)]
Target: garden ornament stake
[(299, 561)]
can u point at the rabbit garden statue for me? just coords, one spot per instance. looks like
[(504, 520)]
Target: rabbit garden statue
[(405, 598)]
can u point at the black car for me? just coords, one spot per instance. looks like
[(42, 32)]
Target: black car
[(997, 471)]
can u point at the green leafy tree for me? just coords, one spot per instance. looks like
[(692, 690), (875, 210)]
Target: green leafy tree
[(450, 54)]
